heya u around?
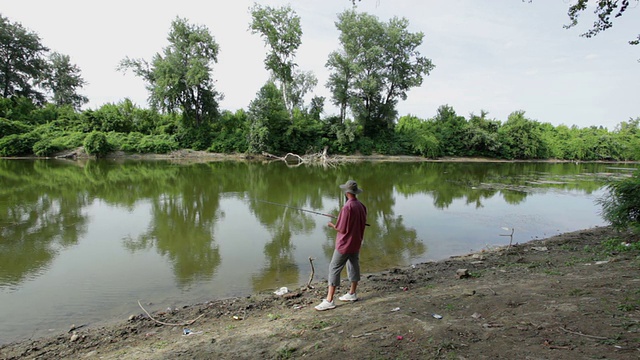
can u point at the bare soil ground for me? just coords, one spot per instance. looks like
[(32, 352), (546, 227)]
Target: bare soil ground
[(566, 297)]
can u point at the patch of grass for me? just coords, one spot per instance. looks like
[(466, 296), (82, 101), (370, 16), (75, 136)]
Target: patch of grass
[(449, 307), (161, 344), (629, 304), (616, 245), (577, 292), (449, 346), (314, 325), (285, 353), (611, 341), (568, 247), (273, 317), (230, 327)]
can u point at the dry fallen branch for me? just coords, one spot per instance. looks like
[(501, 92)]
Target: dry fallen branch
[(316, 158), (313, 271), (368, 333), (585, 335), (169, 324)]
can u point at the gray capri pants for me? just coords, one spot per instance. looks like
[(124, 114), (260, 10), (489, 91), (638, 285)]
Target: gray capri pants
[(337, 264)]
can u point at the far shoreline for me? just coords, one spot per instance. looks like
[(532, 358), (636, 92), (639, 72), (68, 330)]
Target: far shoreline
[(188, 155)]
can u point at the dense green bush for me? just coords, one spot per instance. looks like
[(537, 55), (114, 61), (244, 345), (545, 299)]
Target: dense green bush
[(136, 142), (233, 142), (17, 108), (96, 144), (127, 142), (47, 147), (72, 140), (364, 145), (196, 138), (621, 205), (18, 144), (157, 144), (10, 127)]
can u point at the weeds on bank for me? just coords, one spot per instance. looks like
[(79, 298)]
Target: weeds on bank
[(449, 346), (629, 304), (161, 344), (611, 341), (285, 353), (315, 325), (617, 245), (578, 292)]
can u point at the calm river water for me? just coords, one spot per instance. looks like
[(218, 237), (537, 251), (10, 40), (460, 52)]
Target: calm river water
[(81, 242)]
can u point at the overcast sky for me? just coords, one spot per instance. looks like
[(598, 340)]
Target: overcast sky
[(493, 55)]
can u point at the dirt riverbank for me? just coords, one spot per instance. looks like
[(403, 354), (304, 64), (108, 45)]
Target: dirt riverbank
[(566, 297)]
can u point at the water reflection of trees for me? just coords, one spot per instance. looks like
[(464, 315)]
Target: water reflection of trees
[(42, 202), (185, 210), (40, 213), (387, 240), (296, 187), (476, 182)]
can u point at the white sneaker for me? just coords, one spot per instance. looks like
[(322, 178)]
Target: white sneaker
[(325, 305), (348, 297)]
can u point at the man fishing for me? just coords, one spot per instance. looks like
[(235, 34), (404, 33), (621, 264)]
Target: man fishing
[(350, 227)]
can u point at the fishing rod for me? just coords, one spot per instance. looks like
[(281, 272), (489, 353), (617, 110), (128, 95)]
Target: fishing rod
[(300, 209), (296, 208)]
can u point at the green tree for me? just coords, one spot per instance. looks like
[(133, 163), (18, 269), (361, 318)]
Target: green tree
[(281, 31), (418, 136), (385, 64), (481, 138), (96, 144), (303, 83), (451, 131), (521, 138), (628, 135), (180, 79), (64, 79), (22, 61), (621, 205), (268, 120), (340, 81)]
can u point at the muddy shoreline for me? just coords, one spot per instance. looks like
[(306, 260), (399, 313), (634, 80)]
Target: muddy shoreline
[(565, 297)]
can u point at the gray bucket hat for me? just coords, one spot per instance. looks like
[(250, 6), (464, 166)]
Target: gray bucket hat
[(351, 187)]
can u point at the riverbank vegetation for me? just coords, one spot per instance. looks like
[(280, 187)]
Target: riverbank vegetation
[(375, 66)]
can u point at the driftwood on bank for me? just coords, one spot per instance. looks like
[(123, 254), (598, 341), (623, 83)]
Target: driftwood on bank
[(321, 158)]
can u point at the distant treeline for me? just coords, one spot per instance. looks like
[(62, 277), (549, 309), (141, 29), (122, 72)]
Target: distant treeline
[(371, 71), (30, 129)]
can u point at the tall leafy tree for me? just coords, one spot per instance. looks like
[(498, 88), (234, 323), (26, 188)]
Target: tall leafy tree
[(180, 79), (268, 120), (340, 81), (451, 130), (303, 82), (521, 138), (22, 61), (281, 31), (64, 80), (384, 62)]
